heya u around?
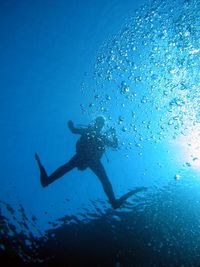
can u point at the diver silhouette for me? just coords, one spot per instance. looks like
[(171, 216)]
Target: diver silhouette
[(89, 150)]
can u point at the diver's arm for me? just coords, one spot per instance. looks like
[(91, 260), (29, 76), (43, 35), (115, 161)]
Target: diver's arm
[(114, 142), (73, 129)]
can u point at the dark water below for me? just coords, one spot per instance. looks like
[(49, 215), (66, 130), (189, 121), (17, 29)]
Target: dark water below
[(162, 230)]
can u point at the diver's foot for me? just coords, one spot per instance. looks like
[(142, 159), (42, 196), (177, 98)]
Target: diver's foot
[(43, 174), (116, 204)]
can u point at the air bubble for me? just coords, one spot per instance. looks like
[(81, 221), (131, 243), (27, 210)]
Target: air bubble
[(108, 97), (170, 122), (144, 100), (91, 105), (124, 89), (124, 129), (120, 119), (177, 177)]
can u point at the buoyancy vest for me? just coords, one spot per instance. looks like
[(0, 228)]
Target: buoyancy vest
[(90, 145)]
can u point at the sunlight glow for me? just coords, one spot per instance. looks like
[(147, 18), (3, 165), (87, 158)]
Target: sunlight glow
[(190, 147), (188, 141)]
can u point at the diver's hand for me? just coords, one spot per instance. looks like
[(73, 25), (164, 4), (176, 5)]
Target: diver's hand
[(70, 124)]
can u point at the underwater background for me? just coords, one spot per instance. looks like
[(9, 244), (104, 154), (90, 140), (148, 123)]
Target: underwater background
[(137, 64)]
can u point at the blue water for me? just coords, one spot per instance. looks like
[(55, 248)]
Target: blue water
[(137, 64)]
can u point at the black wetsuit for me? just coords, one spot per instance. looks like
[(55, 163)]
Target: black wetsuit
[(89, 150)]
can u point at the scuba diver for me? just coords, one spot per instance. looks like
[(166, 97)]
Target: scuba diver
[(89, 150)]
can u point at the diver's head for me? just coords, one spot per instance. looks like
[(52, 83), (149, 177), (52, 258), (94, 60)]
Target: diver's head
[(99, 122)]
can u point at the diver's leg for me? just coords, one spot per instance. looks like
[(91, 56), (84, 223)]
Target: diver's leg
[(67, 167), (99, 170), (46, 180)]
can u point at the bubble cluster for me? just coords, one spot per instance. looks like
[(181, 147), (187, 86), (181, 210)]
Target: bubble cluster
[(147, 75)]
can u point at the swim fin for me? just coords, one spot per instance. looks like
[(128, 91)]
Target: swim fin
[(122, 199), (43, 174)]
